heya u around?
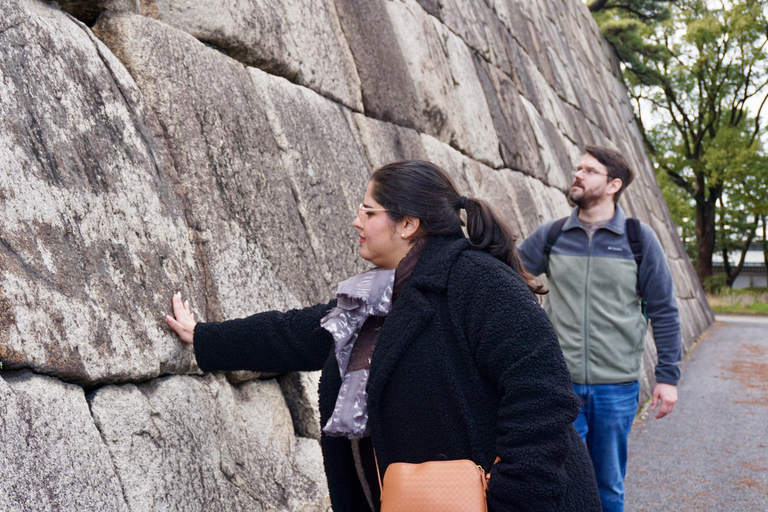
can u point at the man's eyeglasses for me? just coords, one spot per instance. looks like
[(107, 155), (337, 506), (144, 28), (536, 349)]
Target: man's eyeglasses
[(362, 210), (592, 172)]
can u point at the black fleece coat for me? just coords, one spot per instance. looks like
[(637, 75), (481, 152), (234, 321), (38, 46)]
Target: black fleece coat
[(467, 366)]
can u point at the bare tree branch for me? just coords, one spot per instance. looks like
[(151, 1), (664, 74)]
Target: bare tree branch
[(757, 120), (678, 180)]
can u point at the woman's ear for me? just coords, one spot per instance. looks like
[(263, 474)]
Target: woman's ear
[(407, 227)]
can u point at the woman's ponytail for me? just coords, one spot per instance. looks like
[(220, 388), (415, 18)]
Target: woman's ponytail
[(488, 232)]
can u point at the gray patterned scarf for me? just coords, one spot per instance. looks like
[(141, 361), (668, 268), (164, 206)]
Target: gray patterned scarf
[(359, 297)]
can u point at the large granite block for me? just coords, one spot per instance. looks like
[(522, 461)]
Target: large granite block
[(684, 287), (523, 21), (198, 443), (52, 457), (517, 143), (94, 238), (554, 173), (418, 74), (238, 199), (474, 132), (386, 84), (323, 162), (299, 40), (457, 165), (475, 22)]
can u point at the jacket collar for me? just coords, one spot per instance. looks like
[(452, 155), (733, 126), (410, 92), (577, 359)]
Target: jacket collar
[(433, 268), (616, 224)]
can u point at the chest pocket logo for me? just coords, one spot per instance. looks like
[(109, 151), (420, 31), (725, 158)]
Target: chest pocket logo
[(615, 249)]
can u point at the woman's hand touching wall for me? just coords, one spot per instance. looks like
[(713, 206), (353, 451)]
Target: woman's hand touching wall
[(183, 320)]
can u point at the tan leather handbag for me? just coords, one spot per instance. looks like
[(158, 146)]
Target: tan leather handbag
[(435, 486)]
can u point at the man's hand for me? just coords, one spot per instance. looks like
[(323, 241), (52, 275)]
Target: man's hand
[(666, 395)]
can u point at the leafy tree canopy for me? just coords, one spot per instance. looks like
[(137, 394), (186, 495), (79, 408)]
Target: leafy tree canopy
[(649, 11), (697, 75), (628, 26)]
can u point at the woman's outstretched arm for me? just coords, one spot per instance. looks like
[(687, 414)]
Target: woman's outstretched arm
[(273, 341)]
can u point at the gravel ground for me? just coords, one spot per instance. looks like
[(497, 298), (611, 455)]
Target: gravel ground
[(711, 453)]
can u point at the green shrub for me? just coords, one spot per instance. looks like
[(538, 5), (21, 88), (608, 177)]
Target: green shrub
[(715, 284)]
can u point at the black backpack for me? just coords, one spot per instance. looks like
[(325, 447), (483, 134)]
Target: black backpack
[(631, 228)]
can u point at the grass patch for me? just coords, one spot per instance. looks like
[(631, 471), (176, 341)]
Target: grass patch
[(749, 301)]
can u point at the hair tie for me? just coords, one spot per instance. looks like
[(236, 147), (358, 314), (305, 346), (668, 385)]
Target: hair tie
[(462, 202)]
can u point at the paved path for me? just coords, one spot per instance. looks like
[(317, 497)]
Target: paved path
[(711, 453)]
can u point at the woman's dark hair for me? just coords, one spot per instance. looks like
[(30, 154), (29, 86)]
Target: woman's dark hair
[(419, 189)]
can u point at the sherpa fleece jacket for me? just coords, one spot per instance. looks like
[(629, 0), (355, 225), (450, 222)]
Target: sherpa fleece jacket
[(467, 366), (594, 304)]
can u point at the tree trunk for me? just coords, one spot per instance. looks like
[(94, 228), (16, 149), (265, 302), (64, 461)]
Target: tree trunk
[(727, 267), (706, 234), (765, 245), (726, 259), (732, 275)]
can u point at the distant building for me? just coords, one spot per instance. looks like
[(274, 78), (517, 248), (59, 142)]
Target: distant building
[(754, 273)]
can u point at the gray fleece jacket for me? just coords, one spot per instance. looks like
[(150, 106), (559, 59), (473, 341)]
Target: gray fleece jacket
[(594, 305)]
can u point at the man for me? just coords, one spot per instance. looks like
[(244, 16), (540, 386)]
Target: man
[(596, 299)]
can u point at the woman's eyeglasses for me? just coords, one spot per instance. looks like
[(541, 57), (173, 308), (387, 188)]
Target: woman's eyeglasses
[(362, 210)]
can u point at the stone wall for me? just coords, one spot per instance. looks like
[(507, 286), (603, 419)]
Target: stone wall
[(220, 148)]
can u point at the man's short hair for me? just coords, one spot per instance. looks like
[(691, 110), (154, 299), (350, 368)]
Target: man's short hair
[(615, 164)]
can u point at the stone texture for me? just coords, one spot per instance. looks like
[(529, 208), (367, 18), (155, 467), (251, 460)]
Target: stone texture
[(458, 166), (93, 239), (517, 142), (52, 457), (387, 88), (197, 443), (428, 75), (467, 108), (554, 175), (238, 200), (479, 27), (524, 23), (506, 191), (299, 40), (326, 169), (151, 155), (386, 142)]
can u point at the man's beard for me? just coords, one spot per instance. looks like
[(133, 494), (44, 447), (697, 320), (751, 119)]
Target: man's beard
[(581, 198)]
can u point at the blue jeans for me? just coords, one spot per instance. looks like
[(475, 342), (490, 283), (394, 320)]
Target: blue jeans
[(604, 422)]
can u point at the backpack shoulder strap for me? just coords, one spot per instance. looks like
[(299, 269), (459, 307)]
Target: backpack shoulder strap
[(552, 235), (632, 227)]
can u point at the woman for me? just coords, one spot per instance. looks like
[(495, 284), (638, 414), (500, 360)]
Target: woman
[(441, 352)]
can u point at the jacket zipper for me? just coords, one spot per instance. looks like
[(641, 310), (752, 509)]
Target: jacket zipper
[(586, 310)]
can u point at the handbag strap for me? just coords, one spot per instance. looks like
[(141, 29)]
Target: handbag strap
[(378, 474)]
